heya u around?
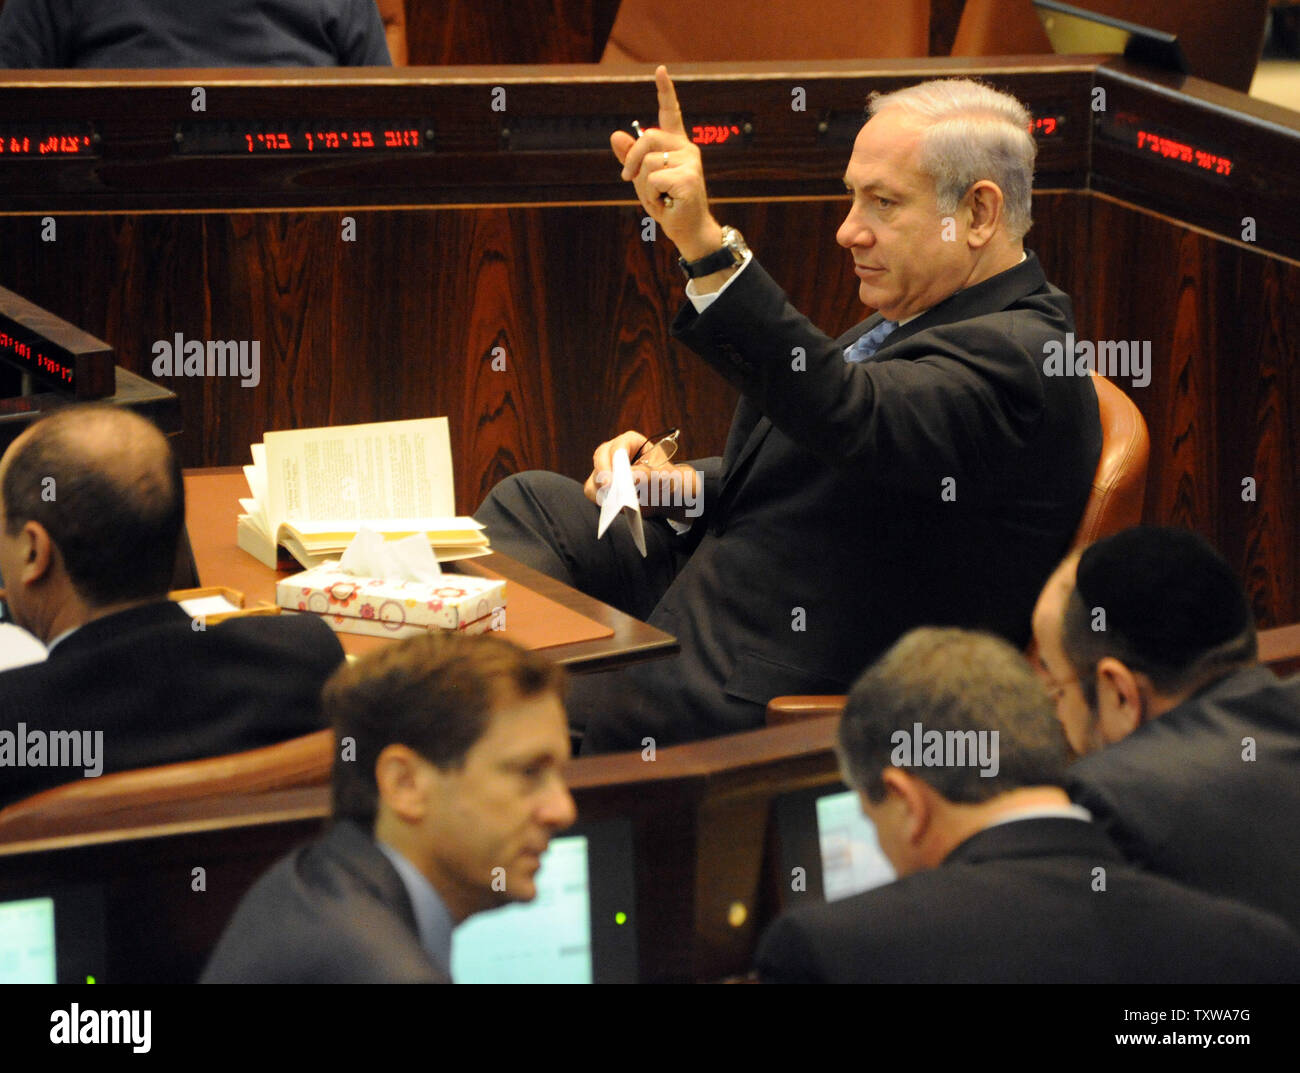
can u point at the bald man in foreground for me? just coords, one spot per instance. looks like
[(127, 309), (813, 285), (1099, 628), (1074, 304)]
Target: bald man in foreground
[(91, 508)]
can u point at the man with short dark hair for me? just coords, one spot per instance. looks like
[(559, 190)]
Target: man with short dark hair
[(1190, 748), (447, 788), (950, 742), (91, 508)]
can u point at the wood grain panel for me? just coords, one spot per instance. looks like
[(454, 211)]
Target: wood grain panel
[(1224, 328), (405, 322)]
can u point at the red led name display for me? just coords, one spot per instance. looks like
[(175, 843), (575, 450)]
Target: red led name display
[(327, 140), (1177, 148), (223, 138), (1188, 154), (714, 133), (55, 353), (36, 360), (35, 142)]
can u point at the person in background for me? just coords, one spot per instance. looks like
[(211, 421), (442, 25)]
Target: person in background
[(1190, 748), (91, 510), (1001, 878), (181, 33), (448, 786)]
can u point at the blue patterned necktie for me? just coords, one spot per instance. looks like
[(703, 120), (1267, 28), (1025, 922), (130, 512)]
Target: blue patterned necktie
[(868, 344)]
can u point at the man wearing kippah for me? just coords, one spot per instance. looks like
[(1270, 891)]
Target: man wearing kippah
[(1191, 748)]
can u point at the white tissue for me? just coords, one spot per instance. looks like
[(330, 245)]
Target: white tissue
[(408, 559), (620, 496)]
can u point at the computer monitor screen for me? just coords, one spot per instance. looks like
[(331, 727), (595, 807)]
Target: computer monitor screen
[(579, 929), (826, 848), (852, 860), (52, 936), (27, 942)]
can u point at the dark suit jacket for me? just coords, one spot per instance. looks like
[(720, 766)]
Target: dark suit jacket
[(826, 531), (162, 691), (233, 33), (1016, 904), (333, 912), (1178, 798)]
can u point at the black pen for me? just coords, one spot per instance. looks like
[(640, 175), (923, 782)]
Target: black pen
[(665, 198)]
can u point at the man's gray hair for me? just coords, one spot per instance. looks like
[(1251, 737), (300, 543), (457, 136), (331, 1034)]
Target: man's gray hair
[(975, 132)]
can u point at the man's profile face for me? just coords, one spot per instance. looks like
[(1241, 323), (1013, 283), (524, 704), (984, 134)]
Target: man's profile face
[(894, 230), (10, 554), (491, 819), (1054, 668)]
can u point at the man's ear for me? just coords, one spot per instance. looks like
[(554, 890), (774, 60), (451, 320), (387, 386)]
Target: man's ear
[(986, 209), (1119, 699), (37, 553), (402, 776), (910, 794)]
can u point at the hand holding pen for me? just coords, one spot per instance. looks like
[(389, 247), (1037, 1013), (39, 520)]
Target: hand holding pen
[(664, 166)]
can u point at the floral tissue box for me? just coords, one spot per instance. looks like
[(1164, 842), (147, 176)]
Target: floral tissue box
[(383, 608)]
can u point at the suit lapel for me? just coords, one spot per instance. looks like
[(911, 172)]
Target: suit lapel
[(749, 428)]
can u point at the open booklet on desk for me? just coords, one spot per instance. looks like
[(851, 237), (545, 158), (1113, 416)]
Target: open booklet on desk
[(312, 489)]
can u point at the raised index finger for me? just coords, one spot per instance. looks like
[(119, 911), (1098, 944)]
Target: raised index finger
[(670, 112)]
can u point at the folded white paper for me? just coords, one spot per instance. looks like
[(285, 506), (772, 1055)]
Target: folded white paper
[(408, 559), (621, 496)]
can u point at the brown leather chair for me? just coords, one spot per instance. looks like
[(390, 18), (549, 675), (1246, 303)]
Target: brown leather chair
[(145, 796), (393, 15), (676, 31), (1115, 504)]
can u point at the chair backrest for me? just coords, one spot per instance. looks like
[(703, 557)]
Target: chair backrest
[(392, 13), (676, 31), (1119, 485), (1114, 504), (144, 796)]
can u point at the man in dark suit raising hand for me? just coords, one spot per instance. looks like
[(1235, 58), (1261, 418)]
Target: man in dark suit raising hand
[(922, 469)]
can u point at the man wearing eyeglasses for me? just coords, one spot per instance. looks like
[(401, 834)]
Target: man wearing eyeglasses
[(1190, 748), (922, 469)]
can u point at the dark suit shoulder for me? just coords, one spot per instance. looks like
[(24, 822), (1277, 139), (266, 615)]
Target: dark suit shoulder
[(1061, 916), (1207, 792), (162, 688), (334, 911)]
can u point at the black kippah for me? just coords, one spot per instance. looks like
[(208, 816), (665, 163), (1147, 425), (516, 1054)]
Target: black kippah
[(1168, 593)]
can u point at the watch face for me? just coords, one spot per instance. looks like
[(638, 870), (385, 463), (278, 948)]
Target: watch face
[(734, 241)]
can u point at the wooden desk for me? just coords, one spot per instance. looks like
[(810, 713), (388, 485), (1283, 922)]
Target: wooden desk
[(700, 820), (212, 503)]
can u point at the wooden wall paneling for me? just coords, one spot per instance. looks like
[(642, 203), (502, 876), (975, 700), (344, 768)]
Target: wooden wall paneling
[(1256, 355), (1223, 332)]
